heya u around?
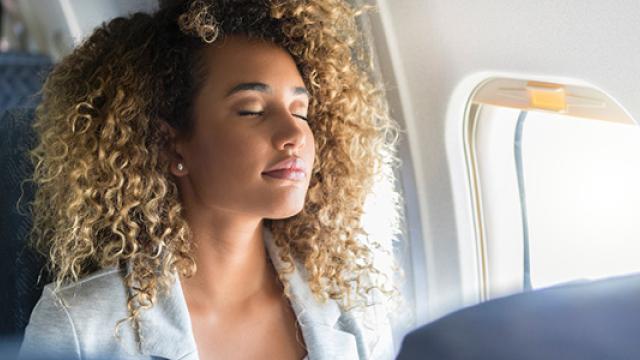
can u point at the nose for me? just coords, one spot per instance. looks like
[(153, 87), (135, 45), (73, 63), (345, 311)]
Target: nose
[(289, 132)]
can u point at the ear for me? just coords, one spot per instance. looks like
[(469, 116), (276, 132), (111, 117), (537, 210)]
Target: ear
[(174, 149)]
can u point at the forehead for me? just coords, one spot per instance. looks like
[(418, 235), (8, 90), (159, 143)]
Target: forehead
[(239, 59)]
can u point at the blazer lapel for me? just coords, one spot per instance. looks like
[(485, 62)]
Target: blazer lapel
[(317, 321), (165, 328)]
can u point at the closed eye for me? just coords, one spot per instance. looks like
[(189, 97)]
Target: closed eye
[(250, 113), (258, 113)]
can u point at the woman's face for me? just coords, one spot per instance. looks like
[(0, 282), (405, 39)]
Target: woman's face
[(249, 116)]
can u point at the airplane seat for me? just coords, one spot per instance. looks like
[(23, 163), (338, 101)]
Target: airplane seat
[(21, 266), (582, 320), (21, 76)]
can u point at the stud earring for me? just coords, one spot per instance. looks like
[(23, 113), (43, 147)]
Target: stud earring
[(180, 167)]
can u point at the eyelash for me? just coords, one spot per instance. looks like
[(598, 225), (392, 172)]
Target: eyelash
[(251, 113)]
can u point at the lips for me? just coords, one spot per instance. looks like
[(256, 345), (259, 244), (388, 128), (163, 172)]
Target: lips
[(292, 168)]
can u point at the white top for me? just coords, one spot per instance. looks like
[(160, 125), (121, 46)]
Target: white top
[(78, 322)]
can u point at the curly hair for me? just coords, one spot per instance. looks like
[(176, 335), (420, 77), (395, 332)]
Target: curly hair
[(105, 196)]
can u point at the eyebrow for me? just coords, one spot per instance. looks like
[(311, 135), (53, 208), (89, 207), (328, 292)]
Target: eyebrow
[(257, 86)]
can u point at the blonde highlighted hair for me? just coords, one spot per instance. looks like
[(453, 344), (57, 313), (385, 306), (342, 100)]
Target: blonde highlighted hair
[(105, 196)]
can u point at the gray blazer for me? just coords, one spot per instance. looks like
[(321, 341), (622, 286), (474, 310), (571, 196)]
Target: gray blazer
[(78, 322)]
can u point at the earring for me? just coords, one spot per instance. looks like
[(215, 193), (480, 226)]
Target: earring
[(180, 166)]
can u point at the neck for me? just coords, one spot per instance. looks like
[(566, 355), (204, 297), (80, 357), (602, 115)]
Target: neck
[(232, 264)]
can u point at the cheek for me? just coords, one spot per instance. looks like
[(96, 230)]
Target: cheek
[(228, 157)]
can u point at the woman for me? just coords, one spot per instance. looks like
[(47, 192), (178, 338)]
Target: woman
[(238, 138)]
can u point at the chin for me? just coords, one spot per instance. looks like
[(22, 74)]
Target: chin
[(280, 214)]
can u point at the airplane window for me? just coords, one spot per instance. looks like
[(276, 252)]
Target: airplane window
[(554, 169), (585, 173)]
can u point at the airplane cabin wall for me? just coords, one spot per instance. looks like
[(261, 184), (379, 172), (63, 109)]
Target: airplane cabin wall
[(439, 51)]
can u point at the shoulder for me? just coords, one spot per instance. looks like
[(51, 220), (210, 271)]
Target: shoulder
[(94, 284), (97, 297), (72, 317)]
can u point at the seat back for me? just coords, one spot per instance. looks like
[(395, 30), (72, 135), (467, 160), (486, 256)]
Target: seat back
[(20, 265), (21, 76)]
